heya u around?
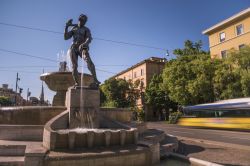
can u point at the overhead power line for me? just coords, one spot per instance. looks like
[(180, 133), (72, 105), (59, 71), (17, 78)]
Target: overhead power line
[(31, 28), (42, 58), (28, 55), (3, 67), (32, 66), (31, 72), (96, 38)]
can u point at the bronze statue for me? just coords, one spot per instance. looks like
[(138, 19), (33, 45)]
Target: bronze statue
[(80, 46)]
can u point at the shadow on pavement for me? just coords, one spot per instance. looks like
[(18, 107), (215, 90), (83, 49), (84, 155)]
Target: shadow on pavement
[(228, 164), (186, 149)]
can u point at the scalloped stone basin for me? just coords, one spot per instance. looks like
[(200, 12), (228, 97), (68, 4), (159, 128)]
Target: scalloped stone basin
[(58, 136), (60, 82)]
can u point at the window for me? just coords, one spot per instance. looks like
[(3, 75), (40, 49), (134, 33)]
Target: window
[(134, 74), (142, 72), (124, 78), (224, 54), (239, 29), (222, 36), (241, 46)]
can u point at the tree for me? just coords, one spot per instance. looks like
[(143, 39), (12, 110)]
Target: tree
[(189, 79), (241, 62), (134, 92), (195, 79), (5, 101), (190, 48), (227, 83), (157, 97), (114, 93), (232, 77), (120, 93)]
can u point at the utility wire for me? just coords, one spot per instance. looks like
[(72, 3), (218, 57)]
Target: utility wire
[(20, 71), (3, 67), (31, 28), (47, 59), (131, 44), (96, 38), (28, 55)]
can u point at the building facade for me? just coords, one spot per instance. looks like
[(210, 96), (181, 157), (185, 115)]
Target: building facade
[(15, 98), (143, 71), (232, 33)]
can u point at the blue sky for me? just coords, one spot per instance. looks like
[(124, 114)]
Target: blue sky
[(158, 23)]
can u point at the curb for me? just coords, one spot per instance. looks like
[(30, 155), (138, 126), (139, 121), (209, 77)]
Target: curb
[(228, 145), (192, 160)]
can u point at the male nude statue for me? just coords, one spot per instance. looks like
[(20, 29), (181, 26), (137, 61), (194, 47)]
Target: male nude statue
[(80, 46)]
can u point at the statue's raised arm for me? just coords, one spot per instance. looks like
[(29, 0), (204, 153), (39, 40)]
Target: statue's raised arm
[(68, 34)]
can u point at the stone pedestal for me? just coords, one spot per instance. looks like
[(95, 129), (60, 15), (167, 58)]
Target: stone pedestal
[(83, 105), (59, 98), (61, 81)]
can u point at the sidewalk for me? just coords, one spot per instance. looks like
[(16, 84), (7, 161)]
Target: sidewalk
[(219, 154)]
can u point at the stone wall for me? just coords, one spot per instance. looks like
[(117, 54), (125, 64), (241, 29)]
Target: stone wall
[(21, 132), (28, 115), (128, 156), (118, 114), (40, 115)]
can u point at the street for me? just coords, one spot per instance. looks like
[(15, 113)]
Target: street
[(230, 148), (225, 136)]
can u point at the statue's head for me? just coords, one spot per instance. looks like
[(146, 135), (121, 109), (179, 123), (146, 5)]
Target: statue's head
[(82, 20)]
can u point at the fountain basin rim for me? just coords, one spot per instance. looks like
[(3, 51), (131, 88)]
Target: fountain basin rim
[(61, 73), (96, 130)]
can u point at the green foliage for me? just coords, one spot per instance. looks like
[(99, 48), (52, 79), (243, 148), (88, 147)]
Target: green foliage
[(133, 93), (190, 48), (194, 79), (119, 93), (226, 82), (245, 82), (174, 116), (5, 101), (113, 93), (156, 96), (188, 79), (139, 113), (232, 77)]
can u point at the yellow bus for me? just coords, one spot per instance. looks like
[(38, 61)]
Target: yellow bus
[(225, 114)]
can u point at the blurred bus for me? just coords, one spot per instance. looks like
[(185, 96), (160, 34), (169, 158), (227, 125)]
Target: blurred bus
[(225, 114)]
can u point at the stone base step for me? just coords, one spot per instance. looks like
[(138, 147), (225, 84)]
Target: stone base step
[(12, 160), (168, 145), (12, 150), (21, 132), (153, 135)]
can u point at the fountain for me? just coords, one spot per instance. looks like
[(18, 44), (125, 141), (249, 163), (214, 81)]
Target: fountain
[(81, 133), (83, 125), (60, 81)]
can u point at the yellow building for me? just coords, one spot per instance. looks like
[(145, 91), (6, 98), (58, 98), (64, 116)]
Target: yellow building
[(232, 33), (143, 71)]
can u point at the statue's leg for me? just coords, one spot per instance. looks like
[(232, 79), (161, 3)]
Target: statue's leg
[(90, 65), (74, 61)]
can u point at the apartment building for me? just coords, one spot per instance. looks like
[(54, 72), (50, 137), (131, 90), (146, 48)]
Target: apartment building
[(144, 72), (231, 33)]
